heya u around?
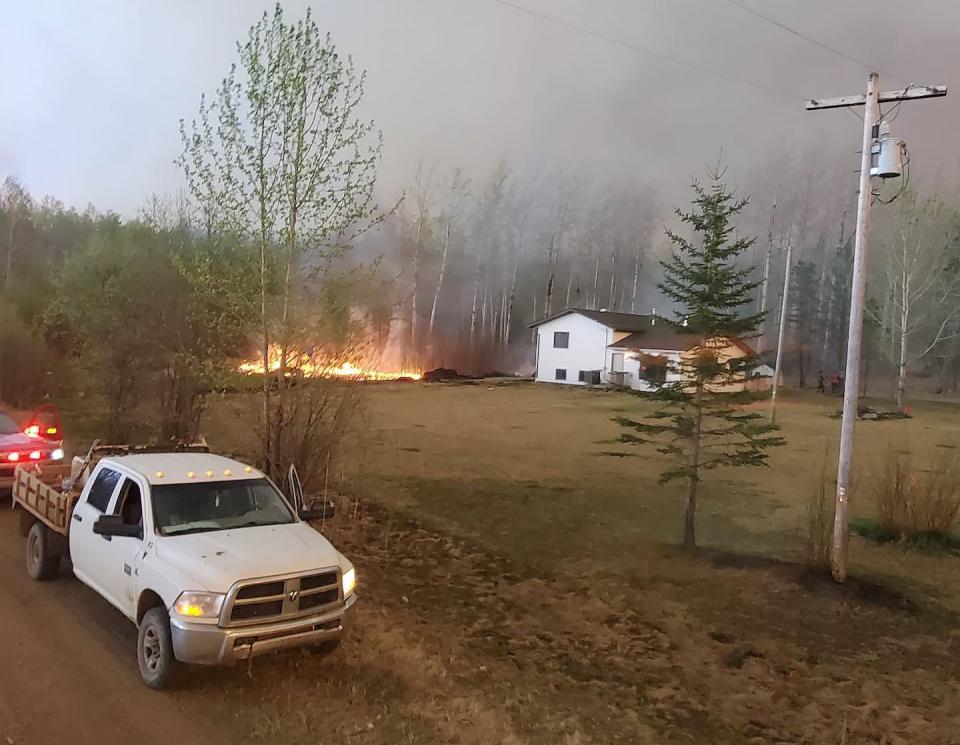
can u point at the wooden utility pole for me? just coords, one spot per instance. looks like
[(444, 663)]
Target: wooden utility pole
[(783, 324), (871, 123)]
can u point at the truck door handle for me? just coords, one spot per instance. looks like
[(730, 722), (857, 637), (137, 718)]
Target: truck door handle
[(77, 517)]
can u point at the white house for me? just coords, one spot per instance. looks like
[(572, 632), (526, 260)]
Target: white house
[(583, 347)]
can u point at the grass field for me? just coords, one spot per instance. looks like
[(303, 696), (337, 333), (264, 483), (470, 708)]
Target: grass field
[(520, 584)]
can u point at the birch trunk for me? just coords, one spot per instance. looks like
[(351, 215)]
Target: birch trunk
[(904, 321), (476, 298), (513, 294), (636, 278), (436, 294), (765, 282), (596, 283), (416, 281), (611, 295)]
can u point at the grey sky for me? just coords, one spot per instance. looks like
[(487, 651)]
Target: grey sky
[(93, 89)]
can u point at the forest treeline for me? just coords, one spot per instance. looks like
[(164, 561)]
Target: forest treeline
[(282, 246)]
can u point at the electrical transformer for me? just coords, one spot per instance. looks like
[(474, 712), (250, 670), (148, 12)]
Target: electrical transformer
[(891, 157)]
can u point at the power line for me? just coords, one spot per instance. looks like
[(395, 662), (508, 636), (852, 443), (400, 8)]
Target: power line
[(800, 34), (643, 50)]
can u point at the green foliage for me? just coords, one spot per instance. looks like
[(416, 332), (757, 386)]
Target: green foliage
[(148, 307), (280, 159), (107, 298), (839, 281), (702, 424), (926, 541), (803, 313)]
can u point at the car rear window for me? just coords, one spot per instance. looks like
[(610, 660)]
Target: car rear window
[(7, 425)]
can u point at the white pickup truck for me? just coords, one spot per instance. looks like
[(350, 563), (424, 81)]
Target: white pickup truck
[(203, 553)]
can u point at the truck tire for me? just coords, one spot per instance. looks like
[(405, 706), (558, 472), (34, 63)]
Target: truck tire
[(155, 649), (42, 563)]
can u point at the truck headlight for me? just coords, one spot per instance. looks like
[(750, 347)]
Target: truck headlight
[(198, 605), (349, 581)]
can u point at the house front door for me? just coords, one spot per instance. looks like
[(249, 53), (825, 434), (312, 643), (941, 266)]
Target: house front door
[(616, 363)]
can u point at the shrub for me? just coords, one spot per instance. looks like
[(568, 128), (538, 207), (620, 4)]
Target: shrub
[(24, 361), (820, 516), (918, 504)]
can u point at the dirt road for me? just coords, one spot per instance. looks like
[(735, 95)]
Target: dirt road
[(67, 667)]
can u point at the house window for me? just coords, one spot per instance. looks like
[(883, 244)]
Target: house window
[(561, 374), (561, 339), (654, 373), (582, 376)]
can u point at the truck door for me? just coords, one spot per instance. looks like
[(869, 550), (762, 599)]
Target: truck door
[(90, 562), (122, 552)]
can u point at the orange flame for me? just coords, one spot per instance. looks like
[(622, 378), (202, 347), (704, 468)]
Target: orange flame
[(303, 364)]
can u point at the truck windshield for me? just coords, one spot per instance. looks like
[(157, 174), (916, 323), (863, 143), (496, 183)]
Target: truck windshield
[(218, 505)]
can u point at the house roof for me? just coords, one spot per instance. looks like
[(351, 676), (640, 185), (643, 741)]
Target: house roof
[(668, 336), (610, 319), (643, 333), (663, 335)]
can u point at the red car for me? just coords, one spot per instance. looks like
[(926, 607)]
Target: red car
[(37, 439)]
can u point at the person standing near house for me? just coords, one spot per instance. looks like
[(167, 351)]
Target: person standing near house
[(821, 388), (834, 383)]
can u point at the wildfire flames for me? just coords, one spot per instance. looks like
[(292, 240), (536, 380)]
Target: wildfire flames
[(304, 365)]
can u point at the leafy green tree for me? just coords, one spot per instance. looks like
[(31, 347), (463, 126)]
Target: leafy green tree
[(281, 159), (108, 297), (155, 311), (701, 424)]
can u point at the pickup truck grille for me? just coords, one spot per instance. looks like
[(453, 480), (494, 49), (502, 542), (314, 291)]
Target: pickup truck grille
[(281, 598)]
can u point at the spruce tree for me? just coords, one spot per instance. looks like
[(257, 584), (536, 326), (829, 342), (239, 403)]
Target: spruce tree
[(701, 423), (803, 314)]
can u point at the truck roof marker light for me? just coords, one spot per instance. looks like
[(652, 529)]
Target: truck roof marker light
[(190, 474), (34, 455), (32, 431), (13, 457), (248, 469), (209, 474), (227, 472), (159, 474)]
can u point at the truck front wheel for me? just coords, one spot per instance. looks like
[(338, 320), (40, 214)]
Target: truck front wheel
[(41, 562), (155, 649)]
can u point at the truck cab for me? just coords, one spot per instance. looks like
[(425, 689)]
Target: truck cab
[(208, 558)]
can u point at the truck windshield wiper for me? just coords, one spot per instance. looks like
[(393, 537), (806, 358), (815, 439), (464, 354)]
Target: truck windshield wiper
[(253, 524), (188, 531)]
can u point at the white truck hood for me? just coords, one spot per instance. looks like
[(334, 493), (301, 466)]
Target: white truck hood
[(217, 559)]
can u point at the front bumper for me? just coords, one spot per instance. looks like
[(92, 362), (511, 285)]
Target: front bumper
[(203, 644)]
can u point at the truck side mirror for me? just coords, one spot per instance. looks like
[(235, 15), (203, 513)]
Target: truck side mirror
[(322, 511), (113, 525)]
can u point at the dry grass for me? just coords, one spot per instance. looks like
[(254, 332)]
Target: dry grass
[(915, 502), (519, 585), (820, 517)]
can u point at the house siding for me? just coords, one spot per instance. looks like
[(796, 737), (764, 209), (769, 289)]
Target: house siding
[(586, 350), (631, 366), (591, 346)]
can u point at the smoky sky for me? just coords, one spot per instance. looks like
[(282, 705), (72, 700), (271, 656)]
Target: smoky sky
[(93, 90)]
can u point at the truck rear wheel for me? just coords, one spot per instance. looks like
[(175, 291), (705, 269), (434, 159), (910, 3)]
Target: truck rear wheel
[(42, 564), (155, 649)]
